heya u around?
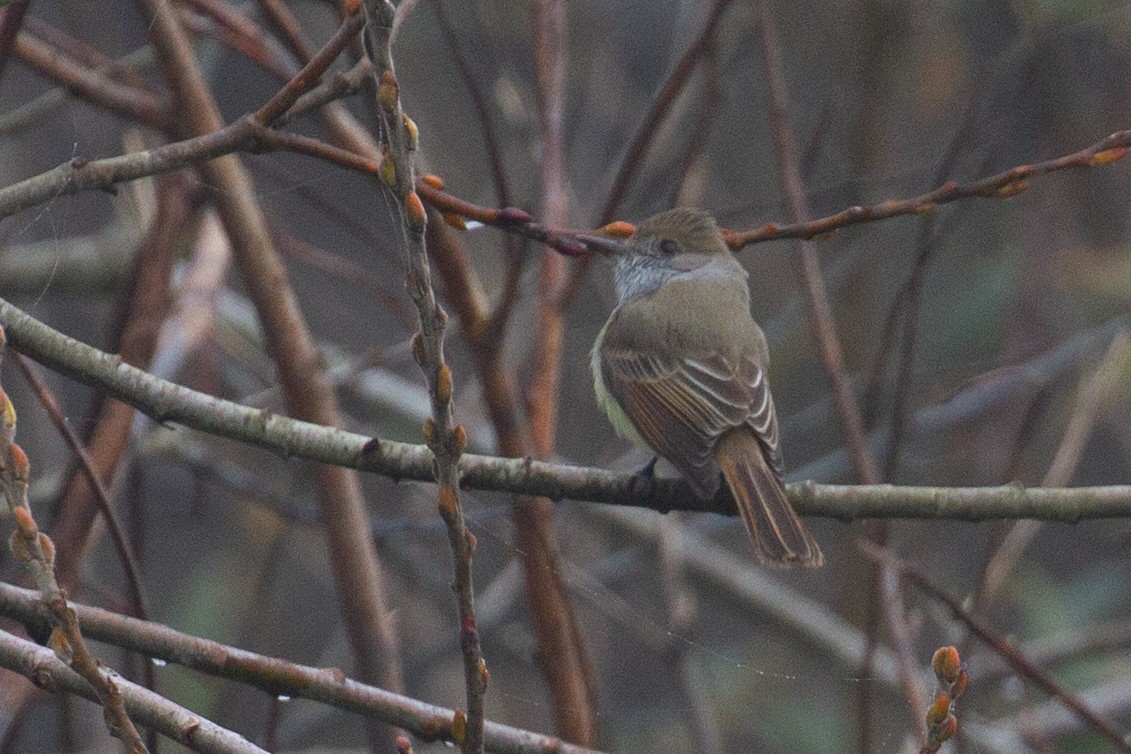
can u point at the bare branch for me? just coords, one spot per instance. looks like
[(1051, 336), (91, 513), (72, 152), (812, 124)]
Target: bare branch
[(167, 402), (277, 677), (37, 552), (445, 439), (39, 665), (1005, 649), (1004, 185)]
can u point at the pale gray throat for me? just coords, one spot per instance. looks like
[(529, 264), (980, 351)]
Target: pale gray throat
[(639, 275)]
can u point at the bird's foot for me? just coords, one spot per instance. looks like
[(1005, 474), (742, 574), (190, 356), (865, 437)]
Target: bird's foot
[(649, 471)]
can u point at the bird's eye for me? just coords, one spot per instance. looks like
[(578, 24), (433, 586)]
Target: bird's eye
[(669, 247)]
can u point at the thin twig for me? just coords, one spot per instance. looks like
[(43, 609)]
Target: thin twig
[(1003, 185), (287, 27), (516, 259), (85, 175), (695, 154), (143, 302), (661, 104), (116, 97), (86, 54), (101, 494), (1006, 650), (909, 301), (895, 618), (642, 140), (79, 175), (683, 619), (823, 325), (35, 550), (237, 30), (337, 86), (1093, 391), (808, 266), (445, 439), (565, 664)]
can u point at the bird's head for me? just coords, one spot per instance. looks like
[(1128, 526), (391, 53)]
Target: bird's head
[(665, 247)]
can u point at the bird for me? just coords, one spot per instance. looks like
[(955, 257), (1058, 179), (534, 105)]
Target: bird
[(680, 368)]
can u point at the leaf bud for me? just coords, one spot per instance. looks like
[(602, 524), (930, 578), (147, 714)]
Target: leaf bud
[(939, 709), (388, 91), (946, 664), (444, 383), (411, 131)]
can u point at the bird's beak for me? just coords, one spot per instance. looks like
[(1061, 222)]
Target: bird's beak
[(609, 247)]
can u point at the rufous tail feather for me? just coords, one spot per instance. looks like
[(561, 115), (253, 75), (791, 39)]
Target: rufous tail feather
[(779, 536)]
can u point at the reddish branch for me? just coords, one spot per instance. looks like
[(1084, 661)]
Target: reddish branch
[(659, 108), (289, 342), (1002, 185), (249, 135), (560, 644), (125, 100), (808, 266), (645, 135), (86, 54), (828, 343), (11, 19), (142, 307)]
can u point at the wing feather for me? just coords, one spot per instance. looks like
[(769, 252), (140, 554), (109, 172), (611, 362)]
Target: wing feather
[(681, 407)]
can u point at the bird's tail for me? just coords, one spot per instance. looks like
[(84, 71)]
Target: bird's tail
[(779, 536)]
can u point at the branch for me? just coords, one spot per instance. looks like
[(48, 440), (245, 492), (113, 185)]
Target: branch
[(142, 301), (445, 439), (1004, 185), (167, 402), (1005, 649), (86, 464), (35, 550), (250, 133), (661, 104), (559, 644), (82, 175), (276, 677), (40, 666), (122, 99), (289, 343), (805, 254)]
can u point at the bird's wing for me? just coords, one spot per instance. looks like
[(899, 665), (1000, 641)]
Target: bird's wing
[(681, 406)]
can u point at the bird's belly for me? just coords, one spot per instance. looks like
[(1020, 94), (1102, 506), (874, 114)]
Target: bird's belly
[(609, 404)]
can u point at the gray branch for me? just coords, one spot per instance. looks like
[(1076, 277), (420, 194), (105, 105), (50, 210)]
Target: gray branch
[(167, 402)]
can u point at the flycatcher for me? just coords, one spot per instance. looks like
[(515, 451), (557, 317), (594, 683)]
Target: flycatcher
[(680, 367)]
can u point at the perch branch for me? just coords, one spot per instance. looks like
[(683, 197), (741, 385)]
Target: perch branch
[(167, 402)]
